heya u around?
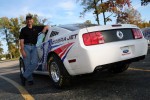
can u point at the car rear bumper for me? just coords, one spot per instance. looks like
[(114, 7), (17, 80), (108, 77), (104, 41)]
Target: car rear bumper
[(92, 56), (128, 61)]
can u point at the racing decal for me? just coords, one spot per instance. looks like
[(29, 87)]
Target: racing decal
[(42, 59), (62, 51), (47, 47), (66, 53), (56, 46), (44, 50), (71, 37)]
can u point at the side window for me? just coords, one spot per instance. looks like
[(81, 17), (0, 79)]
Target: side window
[(40, 39), (54, 33)]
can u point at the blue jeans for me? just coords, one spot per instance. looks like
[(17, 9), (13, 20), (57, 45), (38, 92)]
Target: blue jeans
[(30, 61)]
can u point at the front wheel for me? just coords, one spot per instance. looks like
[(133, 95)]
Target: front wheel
[(118, 67), (57, 72)]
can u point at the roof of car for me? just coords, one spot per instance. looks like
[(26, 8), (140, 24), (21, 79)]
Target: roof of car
[(74, 27)]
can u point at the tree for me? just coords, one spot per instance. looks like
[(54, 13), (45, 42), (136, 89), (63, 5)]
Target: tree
[(5, 26), (113, 7), (1, 49), (87, 22), (38, 20), (14, 51), (143, 24), (130, 16), (100, 7), (144, 2), (15, 29), (88, 6)]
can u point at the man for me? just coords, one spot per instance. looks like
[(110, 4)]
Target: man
[(28, 40)]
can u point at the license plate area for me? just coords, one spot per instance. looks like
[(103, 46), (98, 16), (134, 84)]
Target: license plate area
[(126, 51)]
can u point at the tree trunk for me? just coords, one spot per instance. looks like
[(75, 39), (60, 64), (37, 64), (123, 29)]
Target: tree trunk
[(103, 14), (96, 12), (104, 18), (8, 43)]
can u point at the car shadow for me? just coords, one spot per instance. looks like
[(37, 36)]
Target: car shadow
[(131, 84), (101, 84)]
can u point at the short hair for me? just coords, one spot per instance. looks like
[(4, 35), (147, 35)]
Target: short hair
[(29, 16)]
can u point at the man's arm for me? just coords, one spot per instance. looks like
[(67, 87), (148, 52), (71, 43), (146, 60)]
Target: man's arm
[(22, 48), (45, 29), (42, 29)]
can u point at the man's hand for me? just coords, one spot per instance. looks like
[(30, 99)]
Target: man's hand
[(23, 53), (22, 48), (45, 29)]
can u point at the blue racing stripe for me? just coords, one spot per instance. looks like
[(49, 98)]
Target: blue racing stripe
[(66, 54)]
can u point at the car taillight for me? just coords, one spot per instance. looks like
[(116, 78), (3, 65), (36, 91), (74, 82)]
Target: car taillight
[(93, 38), (137, 33)]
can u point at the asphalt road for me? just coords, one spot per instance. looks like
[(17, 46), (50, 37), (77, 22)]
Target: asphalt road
[(133, 84)]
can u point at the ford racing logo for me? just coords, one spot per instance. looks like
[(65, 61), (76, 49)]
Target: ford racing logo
[(125, 51), (119, 34)]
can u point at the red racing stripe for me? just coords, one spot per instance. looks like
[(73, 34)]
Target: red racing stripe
[(62, 49), (63, 52)]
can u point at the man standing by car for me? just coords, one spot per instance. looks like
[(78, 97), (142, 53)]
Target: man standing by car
[(28, 40)]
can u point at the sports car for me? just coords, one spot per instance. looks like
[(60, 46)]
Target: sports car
[(77, 49)]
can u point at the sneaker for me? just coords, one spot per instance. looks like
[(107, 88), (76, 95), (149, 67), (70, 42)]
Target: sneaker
[(23, 80), (30, 82)]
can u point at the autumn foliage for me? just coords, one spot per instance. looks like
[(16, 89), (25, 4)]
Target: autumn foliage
[(101, 7)]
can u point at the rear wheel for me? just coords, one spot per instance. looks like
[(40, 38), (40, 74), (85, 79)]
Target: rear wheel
[(118, 67), (57, 72)]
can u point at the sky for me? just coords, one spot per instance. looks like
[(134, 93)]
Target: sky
[(57, 11)]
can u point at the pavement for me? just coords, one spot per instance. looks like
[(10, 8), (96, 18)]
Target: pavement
[(133, 84)]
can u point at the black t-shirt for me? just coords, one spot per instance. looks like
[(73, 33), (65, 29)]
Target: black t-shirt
[(30, 34)]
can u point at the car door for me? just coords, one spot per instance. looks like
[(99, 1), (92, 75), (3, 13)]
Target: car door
[(42, 49)]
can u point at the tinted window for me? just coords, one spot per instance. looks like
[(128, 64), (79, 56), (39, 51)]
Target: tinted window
[(53, 33), (73, 27), (111, 35)]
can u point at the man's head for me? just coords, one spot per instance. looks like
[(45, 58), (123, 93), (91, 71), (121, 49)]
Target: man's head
[(29, 19)]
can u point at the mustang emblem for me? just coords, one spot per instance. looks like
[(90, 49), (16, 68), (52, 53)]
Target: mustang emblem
[(119, 34)]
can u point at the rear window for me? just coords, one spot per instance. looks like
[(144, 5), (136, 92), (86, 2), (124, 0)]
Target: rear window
[(74, 27), (112, 35)]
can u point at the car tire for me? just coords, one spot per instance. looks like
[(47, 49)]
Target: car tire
[(57, 72), (21, 65), (118, 67)]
